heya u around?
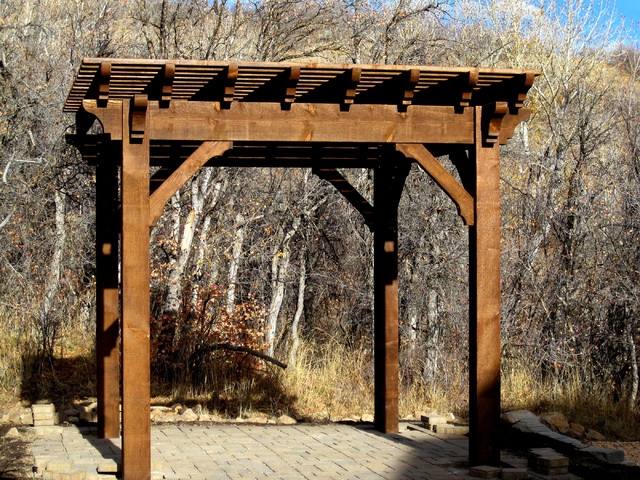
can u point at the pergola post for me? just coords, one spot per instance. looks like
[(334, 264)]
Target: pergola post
[(136, 424), (388, 183), (107, 300), (484, 300)]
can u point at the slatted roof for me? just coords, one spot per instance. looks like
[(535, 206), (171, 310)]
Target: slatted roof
[(195, 80)]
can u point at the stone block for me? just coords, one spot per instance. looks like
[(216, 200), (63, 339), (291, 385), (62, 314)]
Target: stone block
[(108, 465), (485, 471), (432, 419), (451, 429), (607, 455), (519, 415), (43, 416), (59, 465), (43, 408), (46, 430), (514, 473), (553, 461), (45, 422)]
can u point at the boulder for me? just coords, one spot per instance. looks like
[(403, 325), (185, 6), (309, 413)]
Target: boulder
[(594, 435), (518, 415), (188, 415), (286, 420), (13, 433), (555, 421)]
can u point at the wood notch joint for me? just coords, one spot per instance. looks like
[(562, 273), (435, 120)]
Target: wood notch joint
[(291, 84), (492, 117), (352, 79), (468, 87), (138, 115), (230, 84), (410, 81), (103, 84), (169, 72)]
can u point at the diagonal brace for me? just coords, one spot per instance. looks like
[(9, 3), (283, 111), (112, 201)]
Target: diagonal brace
[(184, 172), (442, 177), (348, 192)]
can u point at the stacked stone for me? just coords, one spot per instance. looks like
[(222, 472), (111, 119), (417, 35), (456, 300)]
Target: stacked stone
[(439, 424), (44, 415), (547, 461)]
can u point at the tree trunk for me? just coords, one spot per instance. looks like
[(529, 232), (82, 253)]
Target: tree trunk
[(633, 360), (295, 337), (49, 326), (279, 268), (236, 251)]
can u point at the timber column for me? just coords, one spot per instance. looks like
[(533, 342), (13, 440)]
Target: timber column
[(107, 299), (136, 424), (484, 294), (388, 181)]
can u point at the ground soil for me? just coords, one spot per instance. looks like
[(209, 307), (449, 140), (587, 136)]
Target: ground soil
[(16, 461)]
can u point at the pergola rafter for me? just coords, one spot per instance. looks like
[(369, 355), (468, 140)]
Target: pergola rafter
[(182, 115)]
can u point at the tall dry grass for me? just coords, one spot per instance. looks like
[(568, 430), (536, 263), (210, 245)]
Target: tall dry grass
[(328, 381)]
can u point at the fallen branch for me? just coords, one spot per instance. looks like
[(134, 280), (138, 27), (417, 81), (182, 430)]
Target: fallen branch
[(251, 351)]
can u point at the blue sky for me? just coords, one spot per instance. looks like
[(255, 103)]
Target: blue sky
[(630, 10)]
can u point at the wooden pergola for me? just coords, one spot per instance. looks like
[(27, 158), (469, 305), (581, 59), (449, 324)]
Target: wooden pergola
[(183, 115)]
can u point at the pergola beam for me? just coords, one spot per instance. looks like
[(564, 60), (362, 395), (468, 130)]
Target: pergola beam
[(484, 301), (136, 423)]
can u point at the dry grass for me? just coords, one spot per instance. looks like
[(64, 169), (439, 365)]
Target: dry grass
[(328, 381)]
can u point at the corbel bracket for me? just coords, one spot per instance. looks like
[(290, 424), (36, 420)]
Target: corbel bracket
[(492, 118), (411, 79), (527, 83), (138, 114), (467, 88), (103, 84), (109, 116), (167, 84)]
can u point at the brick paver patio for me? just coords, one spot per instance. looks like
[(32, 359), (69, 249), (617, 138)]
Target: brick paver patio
[(241, 451)]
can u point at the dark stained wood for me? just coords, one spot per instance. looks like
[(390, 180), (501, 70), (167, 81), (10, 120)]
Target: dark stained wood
[(189, 167), (484, 305), (388, 183), (324, 116), (442, 177), (136, 427), (107, 297), (348, 192), (341, 84)]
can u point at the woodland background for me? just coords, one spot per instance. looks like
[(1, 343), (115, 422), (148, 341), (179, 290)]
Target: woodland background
[(277, 261)]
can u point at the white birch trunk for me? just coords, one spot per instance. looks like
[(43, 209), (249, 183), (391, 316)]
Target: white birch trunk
[(47, 326), (279, 269), (295, 336), (236, 251)]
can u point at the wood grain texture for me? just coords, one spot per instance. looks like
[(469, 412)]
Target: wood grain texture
[(484, 306), (107, 299), (136, 425), (184, 172), (202, 121), (110, 116), (388, 183), (446, 181)]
